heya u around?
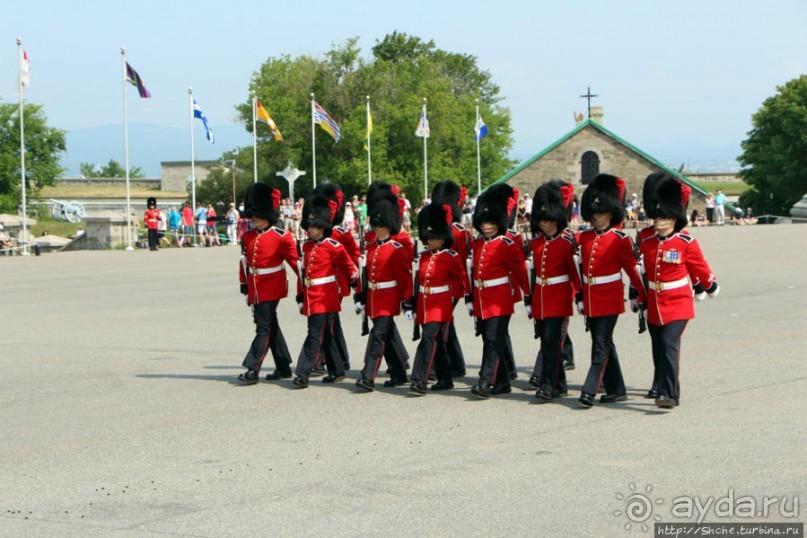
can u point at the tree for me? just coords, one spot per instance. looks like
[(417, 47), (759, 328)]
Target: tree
[(217, 188), (401, 72), (112, 169), (43, 145), (774, 155)]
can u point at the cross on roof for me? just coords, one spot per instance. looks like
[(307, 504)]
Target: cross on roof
[(589, 96)]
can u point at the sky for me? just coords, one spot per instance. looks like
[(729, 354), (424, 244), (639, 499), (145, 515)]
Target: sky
[(679, 79)]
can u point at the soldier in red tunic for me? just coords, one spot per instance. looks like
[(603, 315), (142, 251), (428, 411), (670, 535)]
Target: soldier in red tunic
[(441, 279), (605, 251), (151, 218), (556, 282), (498, 270), (389, 282), (263, 280), (333, 192), (449, 193), (673, 260), (325, 265)]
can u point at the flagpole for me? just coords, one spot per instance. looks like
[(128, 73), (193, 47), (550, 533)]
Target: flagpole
[(369, 155), (126, 155), (22, 153), (425, 162), (254, 136), (313, 142), (478, 156), (193, 161)]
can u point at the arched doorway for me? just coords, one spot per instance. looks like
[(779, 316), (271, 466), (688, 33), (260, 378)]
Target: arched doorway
[(590, 167)]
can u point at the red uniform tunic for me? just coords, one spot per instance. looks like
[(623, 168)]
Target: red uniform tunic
[(519, 240), (151, 218), (441, 277), (264, 253), (389, 278), (603, 257), (671, 265), (462, 242), (325, 266), (352, 248), (556, 277), (498, 269), (401, 237)]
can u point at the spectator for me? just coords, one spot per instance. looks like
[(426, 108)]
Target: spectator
[(720, 207), (162, 228), (737, 217), (467, 214), (232, 223), (710, 208), (212, 223), (244, 223), (297, 214), (187, 225), (407, 214), (362, 206), (749, 216), (201, 222), (575, 214), (174, 226), (349, 222)]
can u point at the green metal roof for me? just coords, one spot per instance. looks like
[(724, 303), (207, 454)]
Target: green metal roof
[(606, 132)]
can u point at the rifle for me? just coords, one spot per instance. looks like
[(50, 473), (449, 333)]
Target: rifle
[(301, 266), (577, 260), (637, 253), (536, 325), (469, 266), (415, 292)]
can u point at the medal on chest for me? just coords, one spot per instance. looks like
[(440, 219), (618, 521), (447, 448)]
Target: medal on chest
[(671, 256)]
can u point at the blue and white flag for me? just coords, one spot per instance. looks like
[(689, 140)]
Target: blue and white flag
[(423, 130), (480, 128), (197, 113)]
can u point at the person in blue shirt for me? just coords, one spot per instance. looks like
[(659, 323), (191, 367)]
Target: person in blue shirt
[(720, 207), (174, 219)]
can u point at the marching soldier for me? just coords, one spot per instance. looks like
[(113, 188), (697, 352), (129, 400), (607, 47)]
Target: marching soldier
[(389, 282), (440, 280), (605, 251), (514, 234), (672, 259), (325, 265), (498, 269), (556, 280), (151, 218), (449, 193), (263, 280)]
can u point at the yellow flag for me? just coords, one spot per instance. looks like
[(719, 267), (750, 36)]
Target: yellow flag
[(264, 116), (369, 131)]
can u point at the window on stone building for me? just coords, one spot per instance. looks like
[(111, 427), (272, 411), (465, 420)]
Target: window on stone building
[(590, 167)]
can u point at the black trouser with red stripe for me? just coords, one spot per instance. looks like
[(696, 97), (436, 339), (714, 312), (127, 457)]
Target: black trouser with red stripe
[(340, 343), (494, 332), (320, 342), (154, 239), (432, 352), (379, 344), (667, 355), (604, 368), (567, 351), (549, 362), (267, 336)]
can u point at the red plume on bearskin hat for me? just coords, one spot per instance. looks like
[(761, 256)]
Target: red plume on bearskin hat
[(605, 194), (671, 200), (262, 201), (434, 222), (332, 191), (382, 207), (318, 211), (449, 193), (552, 201), (492, 206)]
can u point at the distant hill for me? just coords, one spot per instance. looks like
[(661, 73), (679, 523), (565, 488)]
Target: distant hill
[(148, 145)]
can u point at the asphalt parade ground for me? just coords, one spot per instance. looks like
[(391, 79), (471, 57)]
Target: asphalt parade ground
[(122, 417)]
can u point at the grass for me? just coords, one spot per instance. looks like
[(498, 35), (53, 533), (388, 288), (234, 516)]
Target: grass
[(729, 188), (69, 193), (55, 227)]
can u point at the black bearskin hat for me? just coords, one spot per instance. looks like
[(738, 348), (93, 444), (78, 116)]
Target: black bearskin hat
[(434, 222), (332, 191), (649, 193), (151, 202), (382, 207), (605, 194), (262, 201), (495, 205), (449, 193), (552, 201), (319, 211), (671, 200)]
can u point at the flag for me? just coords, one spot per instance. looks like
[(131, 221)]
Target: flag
[(134, 79), (480, 128), (369, 131), (25, 70), (423, 130), (264, 116), (197, 113), (325, 121)]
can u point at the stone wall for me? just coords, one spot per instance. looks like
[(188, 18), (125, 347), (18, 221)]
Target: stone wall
[(176, 174), (144, 183)]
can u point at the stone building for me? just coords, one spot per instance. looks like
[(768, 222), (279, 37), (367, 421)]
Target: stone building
[(177, 174), (584, 152)]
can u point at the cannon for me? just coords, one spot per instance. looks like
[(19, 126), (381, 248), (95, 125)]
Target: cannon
[(70, 211)]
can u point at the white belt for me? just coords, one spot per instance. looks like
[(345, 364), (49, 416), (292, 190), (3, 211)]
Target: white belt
[(490, 283), (319, 281), (265, 270), (552, 280), (660, 286), (431, 290), (382, 285), (602, 279)]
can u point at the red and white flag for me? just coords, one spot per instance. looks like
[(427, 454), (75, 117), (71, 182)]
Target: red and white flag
[(25, 70)]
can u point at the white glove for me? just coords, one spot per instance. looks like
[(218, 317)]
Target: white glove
[(409, 315), (714, 293), (300, 307), (528, 309), (700, 296), (580, 307), (634, 305), (359, 307), (470, 308)]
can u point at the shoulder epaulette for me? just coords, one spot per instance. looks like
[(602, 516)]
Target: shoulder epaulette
[(396, 244), (333, 242), (459, 226), (620, 233), (339, 229), (569, 238), (507, 240), (685, 237), (452, 252), (278, 231)]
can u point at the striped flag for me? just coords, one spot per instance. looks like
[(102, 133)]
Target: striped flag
[(197, 113), (263, 116), (134, 79), (369, 130), (25, 70), (327, 123), (423, 130)]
